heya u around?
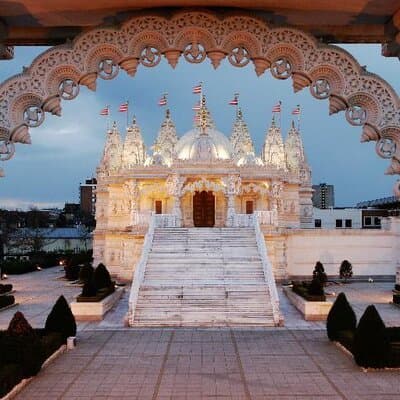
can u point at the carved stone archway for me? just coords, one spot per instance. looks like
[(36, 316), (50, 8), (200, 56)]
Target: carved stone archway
[(329, 71)]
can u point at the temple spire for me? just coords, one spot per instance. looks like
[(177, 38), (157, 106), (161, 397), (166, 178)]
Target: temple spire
[(134, 150), (111, 159), (164, 146), (240, 138), (273, 153)]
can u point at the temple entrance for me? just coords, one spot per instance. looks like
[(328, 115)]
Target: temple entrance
[(203, 209)]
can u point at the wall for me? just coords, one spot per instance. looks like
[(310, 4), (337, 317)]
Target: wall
[(328, 217), (371, 252)]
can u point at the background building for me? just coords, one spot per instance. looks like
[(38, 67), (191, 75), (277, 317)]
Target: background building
[(323, 196), (88, 196)]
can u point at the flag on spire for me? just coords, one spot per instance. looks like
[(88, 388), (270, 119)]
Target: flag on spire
[(105, 111), (197, 89), (277, 107), (196, 107), (124, 107), (163, 100), (296, 111), (235, 100)]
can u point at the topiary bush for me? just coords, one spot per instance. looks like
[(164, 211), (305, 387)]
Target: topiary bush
[(316, 288), (21, 345), (102, 278), (341, 317), (89, 289), (10, 375), (5, 288), (319, 273), (346, 270), (61, 319), (6, 300), (371, 346), (86, 273), (19, 326), (72, 272)]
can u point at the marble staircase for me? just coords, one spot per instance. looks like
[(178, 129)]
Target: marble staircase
[(203, 277)]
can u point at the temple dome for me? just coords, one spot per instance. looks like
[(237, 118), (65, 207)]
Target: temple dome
[(211, 145)]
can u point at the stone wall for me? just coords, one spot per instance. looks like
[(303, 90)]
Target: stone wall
[(371, 252)]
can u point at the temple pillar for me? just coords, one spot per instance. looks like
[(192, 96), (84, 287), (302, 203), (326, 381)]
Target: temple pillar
[(174, 185), (233, 185)]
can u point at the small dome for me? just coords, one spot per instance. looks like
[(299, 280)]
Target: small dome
[(213, 145), (250, 159)]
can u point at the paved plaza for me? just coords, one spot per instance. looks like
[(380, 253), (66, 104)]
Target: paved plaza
[(115, 362)]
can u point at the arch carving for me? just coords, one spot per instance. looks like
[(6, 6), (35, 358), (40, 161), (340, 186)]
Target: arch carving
[(329, 71), (204, 184)]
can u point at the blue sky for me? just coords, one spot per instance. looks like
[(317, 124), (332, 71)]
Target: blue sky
[(66, 150)]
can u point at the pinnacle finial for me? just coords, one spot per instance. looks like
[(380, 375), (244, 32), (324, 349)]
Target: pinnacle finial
[(114, 126), (273, 122), (293, 126), (239, 114), (134, 120), (167, 113)]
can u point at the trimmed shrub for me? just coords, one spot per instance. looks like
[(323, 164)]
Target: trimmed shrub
[(346, 270), (371, 346), (21, 345), (10, 375), (26, 351), (6, 300), (89, 289), (51, 343), (319, 273), (61, 319), (86, 273), (72, 272), (101, 277), (17, 267), (5, 288), (316, 288), (19, 326), (341, 317)]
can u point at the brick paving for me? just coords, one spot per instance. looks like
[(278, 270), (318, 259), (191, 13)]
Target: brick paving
[(208, 364), (115, 362)]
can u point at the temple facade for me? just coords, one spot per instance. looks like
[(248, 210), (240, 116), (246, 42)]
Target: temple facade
[(201, 179)]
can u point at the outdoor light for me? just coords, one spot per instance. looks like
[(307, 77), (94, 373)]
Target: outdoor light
[(5, 276)]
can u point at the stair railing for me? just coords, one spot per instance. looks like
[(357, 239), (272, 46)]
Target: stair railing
[(138, 275), (166, 221), (267, 268)]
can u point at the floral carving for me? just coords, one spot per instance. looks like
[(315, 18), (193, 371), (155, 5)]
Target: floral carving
[(281, 68), (239, 57), (150, 56), (194, 53)]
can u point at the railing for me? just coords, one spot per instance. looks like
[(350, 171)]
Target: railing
[(267, 217), (166, 221), (242, 220), (138, 275), (141, 219), (267, 267), (247, 220)]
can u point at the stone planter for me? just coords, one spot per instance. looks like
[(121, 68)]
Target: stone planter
[(311, 310), (95, 311)]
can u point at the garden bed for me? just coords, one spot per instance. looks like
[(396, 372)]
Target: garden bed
[(311, 310), (95, 310)]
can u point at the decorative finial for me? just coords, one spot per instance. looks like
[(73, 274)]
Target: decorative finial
[(273, 121), (293, 126), (239, 114), (167, 113), (203, 115), (134, 120)]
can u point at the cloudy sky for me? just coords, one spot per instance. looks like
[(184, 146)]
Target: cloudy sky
[(66, 150)]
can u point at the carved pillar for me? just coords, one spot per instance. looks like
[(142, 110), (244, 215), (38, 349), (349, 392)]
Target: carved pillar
[(174, 188), (276, 193), (233, 184), (132, 190)]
